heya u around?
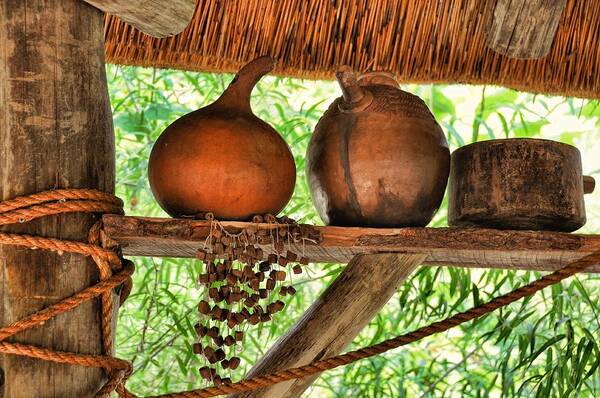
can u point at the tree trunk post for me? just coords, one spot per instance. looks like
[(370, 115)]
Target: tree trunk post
[(55, 132), (335, 319)]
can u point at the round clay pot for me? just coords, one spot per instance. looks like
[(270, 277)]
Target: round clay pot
[(521, 183), (223, 159), (377, 157)]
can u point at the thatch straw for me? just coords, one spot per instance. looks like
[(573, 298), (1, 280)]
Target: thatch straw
[(442, 41)]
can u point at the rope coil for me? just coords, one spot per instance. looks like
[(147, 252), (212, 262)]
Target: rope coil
[(115, 272)]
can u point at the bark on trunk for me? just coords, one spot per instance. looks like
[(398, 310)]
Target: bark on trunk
[(55, 132)]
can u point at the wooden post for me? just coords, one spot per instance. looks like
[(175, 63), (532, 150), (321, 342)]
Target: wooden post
[(55, 132), (335, 319)]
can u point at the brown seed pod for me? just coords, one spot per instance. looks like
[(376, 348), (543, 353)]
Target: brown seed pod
[(265, 317), (197, 348), (217, 380), (283, 291), (220, 354), (226, 380), (216, 313), (270, 284), (203, 279), (225, 363), (213, 332), (279, 305), (250, 302), (254, 319), (239, 336), (213, 293), (248, 271), (260, 276), (270, 218), (283, 261), (291, 256), (205, 372), (212, 278), (304, 260), (229, 341), (255, 297), (263, 293), (257, 219), (204, 307), (237, 273), (234, 363), (219, 249), (264, 266), (245, 313), (210, 355), (232, 279), (297, 269), (272, 258), (218, 341), (254, 284), (221, 268), (231, 323), (239, 318), (201, 254), (291, 291), (280, 275), (200, 330)]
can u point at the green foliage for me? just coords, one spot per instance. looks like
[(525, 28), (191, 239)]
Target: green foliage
[(545, 346)]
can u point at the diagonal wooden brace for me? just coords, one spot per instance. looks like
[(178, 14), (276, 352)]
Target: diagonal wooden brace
[(335, 319)]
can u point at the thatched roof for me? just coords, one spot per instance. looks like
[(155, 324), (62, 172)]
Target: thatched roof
[(440, 41)]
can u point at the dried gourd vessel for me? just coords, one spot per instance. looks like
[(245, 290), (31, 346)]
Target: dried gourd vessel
[(223, 159), (377, 157)]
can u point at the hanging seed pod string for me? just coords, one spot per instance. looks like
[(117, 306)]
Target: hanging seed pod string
[(240, 282)]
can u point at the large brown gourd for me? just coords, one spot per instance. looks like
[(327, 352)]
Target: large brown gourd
[(377, 157), (223, 159)]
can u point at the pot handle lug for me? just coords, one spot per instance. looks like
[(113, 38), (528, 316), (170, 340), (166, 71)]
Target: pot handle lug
[(588, 184), (355, 98)]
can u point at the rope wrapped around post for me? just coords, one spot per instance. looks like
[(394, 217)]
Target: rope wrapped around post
[(115, 272)]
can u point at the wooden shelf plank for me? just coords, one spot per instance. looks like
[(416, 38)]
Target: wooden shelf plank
[(465, 247)]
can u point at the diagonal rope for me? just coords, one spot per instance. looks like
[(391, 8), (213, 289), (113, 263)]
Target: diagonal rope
[(390, 344)]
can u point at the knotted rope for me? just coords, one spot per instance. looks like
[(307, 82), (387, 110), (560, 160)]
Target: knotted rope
[(24, 209), (27, 208)]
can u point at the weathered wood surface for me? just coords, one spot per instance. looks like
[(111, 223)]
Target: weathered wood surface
[(55, 132), (335, 319), (158, 18), (525, 184), (524, 28), (466, 247)]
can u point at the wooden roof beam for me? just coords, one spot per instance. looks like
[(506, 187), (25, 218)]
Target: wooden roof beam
[(463, 247), (524, 28), (158, 18)]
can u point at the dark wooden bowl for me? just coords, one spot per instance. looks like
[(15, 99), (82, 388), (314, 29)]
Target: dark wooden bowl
[(518, 184)]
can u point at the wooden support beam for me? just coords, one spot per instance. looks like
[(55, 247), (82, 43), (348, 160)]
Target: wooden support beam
[(158, 18), (524, 28), (464, 247), (55, 132), (335, 319)]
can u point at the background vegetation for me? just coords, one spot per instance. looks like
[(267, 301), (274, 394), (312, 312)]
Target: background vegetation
[(546, 346)]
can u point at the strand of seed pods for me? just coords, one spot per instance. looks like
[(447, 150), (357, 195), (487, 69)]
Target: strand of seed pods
[(241, 283)]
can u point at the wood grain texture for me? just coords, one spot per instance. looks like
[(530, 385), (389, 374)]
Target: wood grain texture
[(157, 18), (55, 132), (465, 247), (335, 319), (525, 28)]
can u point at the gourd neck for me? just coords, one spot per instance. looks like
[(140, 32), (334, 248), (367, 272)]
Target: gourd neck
[(237, 95)]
